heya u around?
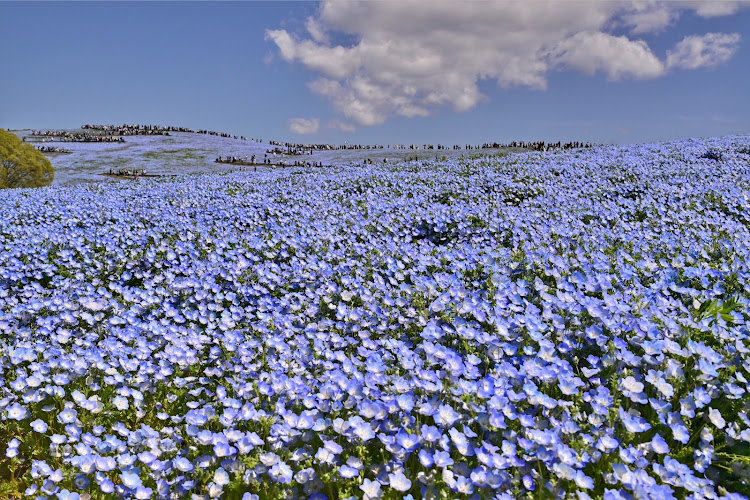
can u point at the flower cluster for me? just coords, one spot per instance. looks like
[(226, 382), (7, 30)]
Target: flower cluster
[(566, 324)]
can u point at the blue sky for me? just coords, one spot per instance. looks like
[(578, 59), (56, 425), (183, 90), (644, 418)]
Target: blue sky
[(383, 72)]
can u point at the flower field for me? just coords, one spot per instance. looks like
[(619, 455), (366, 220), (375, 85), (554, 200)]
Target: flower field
[(535, 325)]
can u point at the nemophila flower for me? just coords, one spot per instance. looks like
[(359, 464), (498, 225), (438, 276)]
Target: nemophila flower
[(363, 430), (371, 489), (528, 482), (461, 442), (680, 433), (701, 397), (121, 403), (405, 401), (105, 464), (281, 473), (130, 480), (426, 458), (223, 449), (583, 481), (81, 481), (143, 493), (607, 443), (305, 475), (49, 487), (633, 423), (715, 416), (659, 445), (430, 433), (67, 416), (332, 446), (67, 495), (182, 464), (325, 456), (214, 490), (221, 477), (398, 481), (17, 412), (56, 475), (445, 416), (348, 472), (442, 459), (12, 449)]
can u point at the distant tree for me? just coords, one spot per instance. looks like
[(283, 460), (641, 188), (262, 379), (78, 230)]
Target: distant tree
[(21, 165)]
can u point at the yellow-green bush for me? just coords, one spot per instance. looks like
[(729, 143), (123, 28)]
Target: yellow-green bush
[(21, 165)]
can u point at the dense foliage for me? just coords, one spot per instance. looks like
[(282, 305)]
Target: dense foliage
[(570, 324), (21, 165)]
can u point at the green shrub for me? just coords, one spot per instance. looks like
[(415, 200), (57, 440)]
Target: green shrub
[(21, 165)]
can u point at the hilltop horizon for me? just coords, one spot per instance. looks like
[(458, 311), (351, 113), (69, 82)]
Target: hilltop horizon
[(301, 140), (78, 158)]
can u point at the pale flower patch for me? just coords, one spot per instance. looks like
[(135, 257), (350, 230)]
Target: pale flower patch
[(561, 324)]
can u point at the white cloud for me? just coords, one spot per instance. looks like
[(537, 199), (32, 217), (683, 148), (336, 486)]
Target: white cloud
[(317, 32), (650, 16), (715, 8), (411, 57), (707, 51), (304, 125), (616, 56)]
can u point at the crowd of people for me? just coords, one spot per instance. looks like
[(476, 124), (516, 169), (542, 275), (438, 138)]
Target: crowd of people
[(65, 136), (128, 129), (323, 147), (534, 146), (235, 159), (289, 151), (221, 134), (290, 148), (52, 149), (252, 161), (300, 163), (128, 172)]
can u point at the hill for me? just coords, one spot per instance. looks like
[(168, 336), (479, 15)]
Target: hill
[(182, 153)]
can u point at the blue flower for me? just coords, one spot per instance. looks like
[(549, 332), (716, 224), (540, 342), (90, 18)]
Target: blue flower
[(410, 442), (371, 489), (67, 495), (130, 480), (715, 417), (528, 483), (633, 423), (445, 416), (39, 426), (182, 464), (81, 481), (281, 473), (17, 412), (348, 472), (659, 445), (398, 481), (106, 486), (67, 416), (143, 493), (442, 459), (426, 458)]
